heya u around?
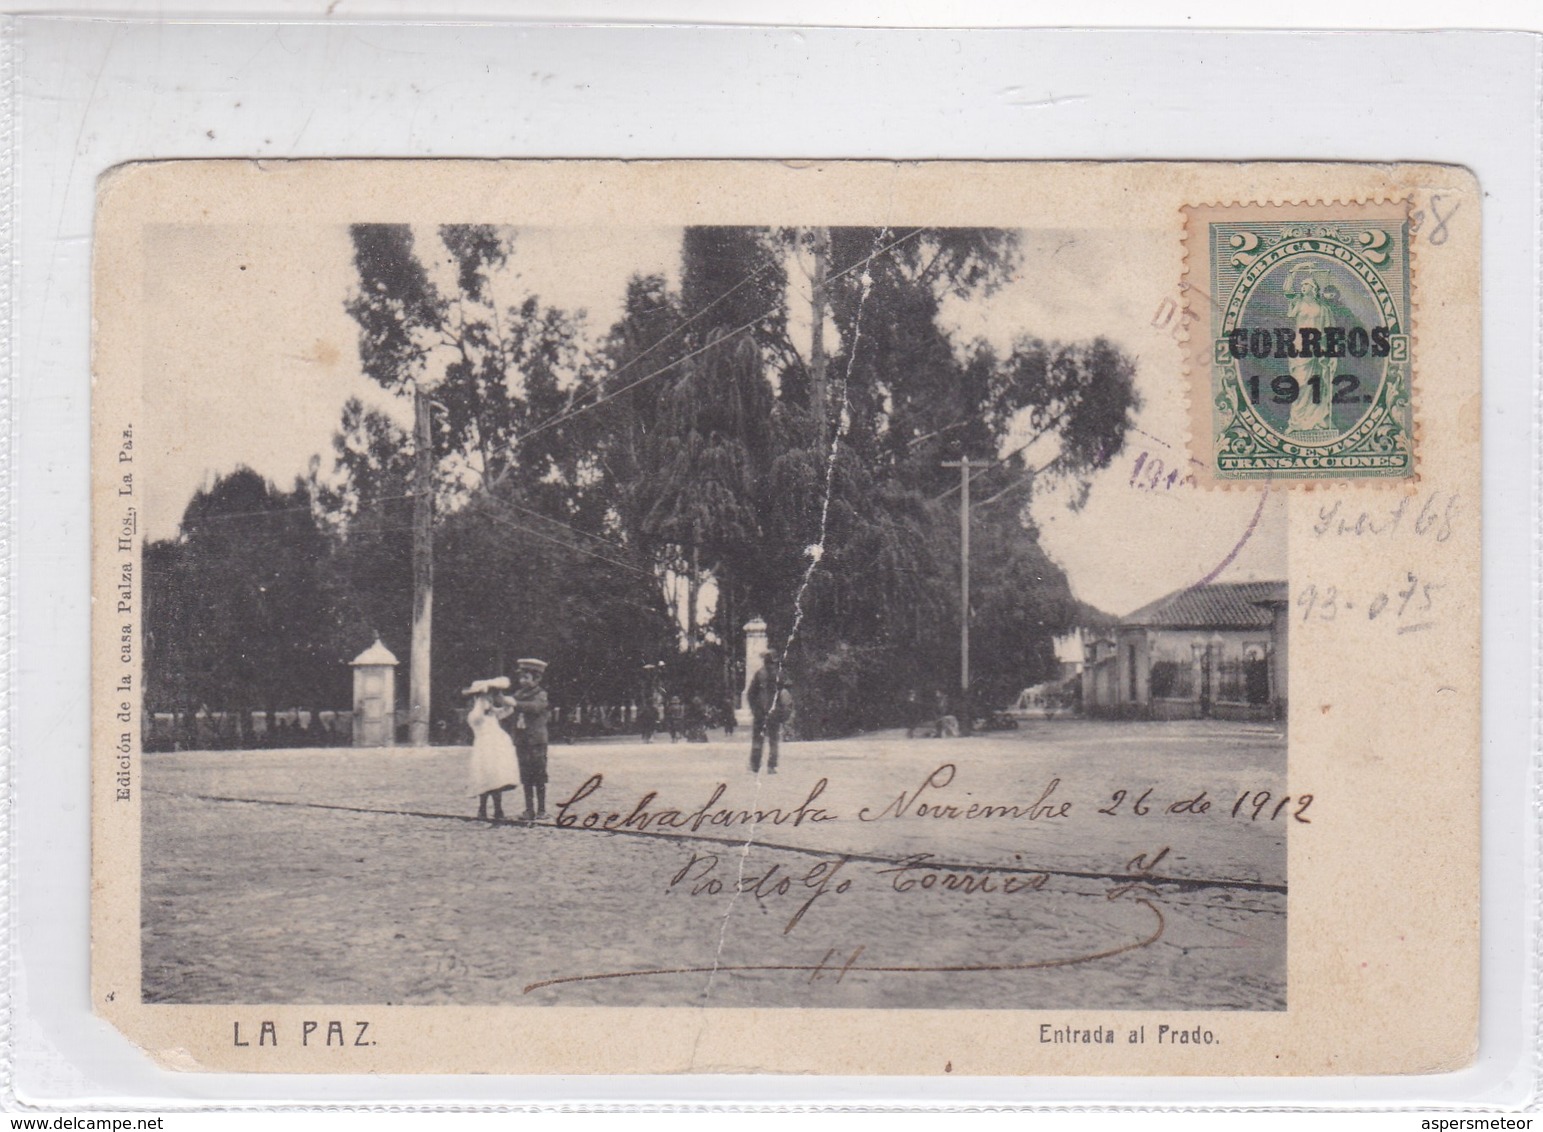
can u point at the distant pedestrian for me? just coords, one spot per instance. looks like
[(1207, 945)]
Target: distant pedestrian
[(771, 705), (494, 767), (696, 720), (675, 717), (913, 712), (946, 725), (730, 707), (530, 736), (648, 716)]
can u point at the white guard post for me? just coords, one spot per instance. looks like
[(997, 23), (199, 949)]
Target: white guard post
[(375, 697)]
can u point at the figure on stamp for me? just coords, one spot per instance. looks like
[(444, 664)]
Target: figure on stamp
[(530, 702), (1310, 309), (494, 768)]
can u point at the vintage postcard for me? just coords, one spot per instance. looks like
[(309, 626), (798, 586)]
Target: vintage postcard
[(820, 618)]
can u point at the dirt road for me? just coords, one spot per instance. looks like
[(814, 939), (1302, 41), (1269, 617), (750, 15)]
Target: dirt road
[(1068, 865)]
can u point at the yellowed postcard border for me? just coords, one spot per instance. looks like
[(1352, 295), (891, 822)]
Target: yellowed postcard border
[(1383, 926)]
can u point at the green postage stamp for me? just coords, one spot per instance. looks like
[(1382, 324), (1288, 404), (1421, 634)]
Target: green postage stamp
[(1309, 343)]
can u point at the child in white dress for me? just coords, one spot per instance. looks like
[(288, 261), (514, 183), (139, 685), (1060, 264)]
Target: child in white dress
[(494, 767)]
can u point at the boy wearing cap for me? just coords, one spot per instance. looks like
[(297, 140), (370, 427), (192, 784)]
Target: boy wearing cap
[(530, 736)]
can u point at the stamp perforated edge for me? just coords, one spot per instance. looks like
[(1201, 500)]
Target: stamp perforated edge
[(1197, 410)]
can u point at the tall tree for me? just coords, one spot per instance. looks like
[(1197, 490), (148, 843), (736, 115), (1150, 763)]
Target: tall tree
[(239, 605), (480, 374), (1021, 603), (713, 448), (516, 583), (848, 538), (369, 504)]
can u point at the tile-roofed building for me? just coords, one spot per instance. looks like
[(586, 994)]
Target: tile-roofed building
[(1220, 605), (1211, 650)]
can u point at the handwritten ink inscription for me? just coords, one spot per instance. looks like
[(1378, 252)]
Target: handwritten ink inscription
[(1410, 604), (820, 882), (928, 801), (1432, 515), (1251, 805), (1148, 472), (1438, 234), (702, 876), (1407, 602), (706, 875)]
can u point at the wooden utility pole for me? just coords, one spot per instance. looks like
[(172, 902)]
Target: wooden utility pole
[(693, 593), (967, 712), (818, 392), (423, 573)]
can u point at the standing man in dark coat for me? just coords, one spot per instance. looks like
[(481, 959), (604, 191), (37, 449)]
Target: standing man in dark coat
[(530, 736), (768, 710)]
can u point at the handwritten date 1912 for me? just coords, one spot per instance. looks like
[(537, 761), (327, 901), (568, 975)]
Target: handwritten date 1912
[(1252, 805)]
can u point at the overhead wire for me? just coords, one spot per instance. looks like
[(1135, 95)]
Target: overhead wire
[(1004, 458), (380, 500), (223, 515), (570, 546), (575, 410), (632, 361)]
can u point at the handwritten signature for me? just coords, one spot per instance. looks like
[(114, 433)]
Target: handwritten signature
[(827, 966)]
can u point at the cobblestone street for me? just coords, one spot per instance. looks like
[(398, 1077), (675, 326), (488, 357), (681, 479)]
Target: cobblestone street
[(1069, 864)]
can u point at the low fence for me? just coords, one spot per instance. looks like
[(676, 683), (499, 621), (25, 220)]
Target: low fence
[(220, 730)]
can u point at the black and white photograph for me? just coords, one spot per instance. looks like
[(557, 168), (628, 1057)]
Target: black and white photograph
[(696, 616)]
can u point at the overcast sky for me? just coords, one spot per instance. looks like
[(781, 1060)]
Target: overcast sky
[(251, 356)]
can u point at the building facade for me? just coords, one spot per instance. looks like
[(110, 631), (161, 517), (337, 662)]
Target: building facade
[(1211, 651)]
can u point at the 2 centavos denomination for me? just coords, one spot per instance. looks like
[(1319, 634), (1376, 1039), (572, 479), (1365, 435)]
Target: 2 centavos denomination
[(1309, 337)]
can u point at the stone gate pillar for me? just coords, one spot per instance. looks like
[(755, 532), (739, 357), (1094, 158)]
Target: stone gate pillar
[(755, 645)]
